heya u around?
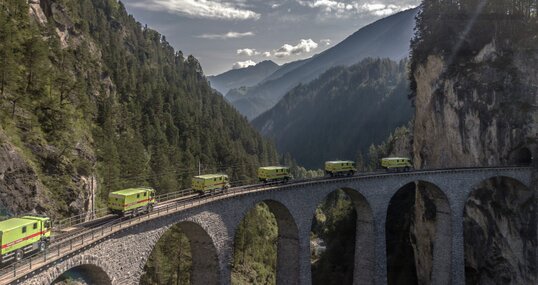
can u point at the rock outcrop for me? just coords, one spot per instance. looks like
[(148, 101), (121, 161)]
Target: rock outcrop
[(483, 112), (484, 115), (500, 234), (21, 189)]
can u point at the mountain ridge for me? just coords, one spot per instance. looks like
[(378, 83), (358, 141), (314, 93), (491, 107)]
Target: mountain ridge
[(313, 120), (248, 76), (388, 37)]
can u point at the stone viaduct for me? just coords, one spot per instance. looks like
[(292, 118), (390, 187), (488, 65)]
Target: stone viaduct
[(211, 227)]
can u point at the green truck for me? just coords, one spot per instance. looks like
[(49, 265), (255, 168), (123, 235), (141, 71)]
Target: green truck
[(274, 173), (20, 236), (210, 183), (340, 168), (132, 201), (397, 163)]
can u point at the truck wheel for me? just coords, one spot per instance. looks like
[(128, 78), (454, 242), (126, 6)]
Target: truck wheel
[(42, 246), (19, 255)]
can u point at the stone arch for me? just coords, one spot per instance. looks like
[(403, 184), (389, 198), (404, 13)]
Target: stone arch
[(287, 266), (500, 232), (205, 262), (86, 268), (521, 157), (364, 256), (431, 241)]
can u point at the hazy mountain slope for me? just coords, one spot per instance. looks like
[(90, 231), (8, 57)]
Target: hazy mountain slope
[(389, 37), (285, 68), (341, 113), (248, 76)]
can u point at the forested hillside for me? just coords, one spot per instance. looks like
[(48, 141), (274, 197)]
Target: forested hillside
[(385, 38), (340, 114), (92, 101)]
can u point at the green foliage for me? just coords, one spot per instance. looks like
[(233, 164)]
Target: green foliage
[(398, 143), (335, 225), (40, 112), (113, 99), (255, 248), (171, 261)]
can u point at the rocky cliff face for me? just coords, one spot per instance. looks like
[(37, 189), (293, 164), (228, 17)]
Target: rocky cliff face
[(483, 115), (22, 191), (23, 170), (500, 234), (483, 112), (411, 222)]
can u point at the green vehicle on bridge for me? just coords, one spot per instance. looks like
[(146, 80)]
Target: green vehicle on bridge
[(274, 173), (20, 236), (210, 183), (340, 168), (397, 163), (131, 201)]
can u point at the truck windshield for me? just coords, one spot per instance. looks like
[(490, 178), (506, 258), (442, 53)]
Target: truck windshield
[(47, 224)]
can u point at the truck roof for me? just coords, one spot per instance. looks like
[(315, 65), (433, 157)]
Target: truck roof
[(394, 158), (14, 223), (210, 176), (130, 191), (339, 161), (274, 167), (36, 218)]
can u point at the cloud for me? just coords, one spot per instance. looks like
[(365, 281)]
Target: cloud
[(344, 9), (243, 64), (266, 54), (304, 46), (382, 9), (247, 52), (212, 9), (228, 35), (326, 42)]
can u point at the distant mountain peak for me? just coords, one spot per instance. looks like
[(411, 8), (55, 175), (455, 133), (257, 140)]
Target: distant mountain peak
[(268, 62), (389, 37), (248, 76)]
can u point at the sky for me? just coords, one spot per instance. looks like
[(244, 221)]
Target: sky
[(226, 34)]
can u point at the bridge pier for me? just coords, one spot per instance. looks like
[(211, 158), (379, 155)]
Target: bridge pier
[(380, 247), (287, 271), (458, 246), (305, 271)]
